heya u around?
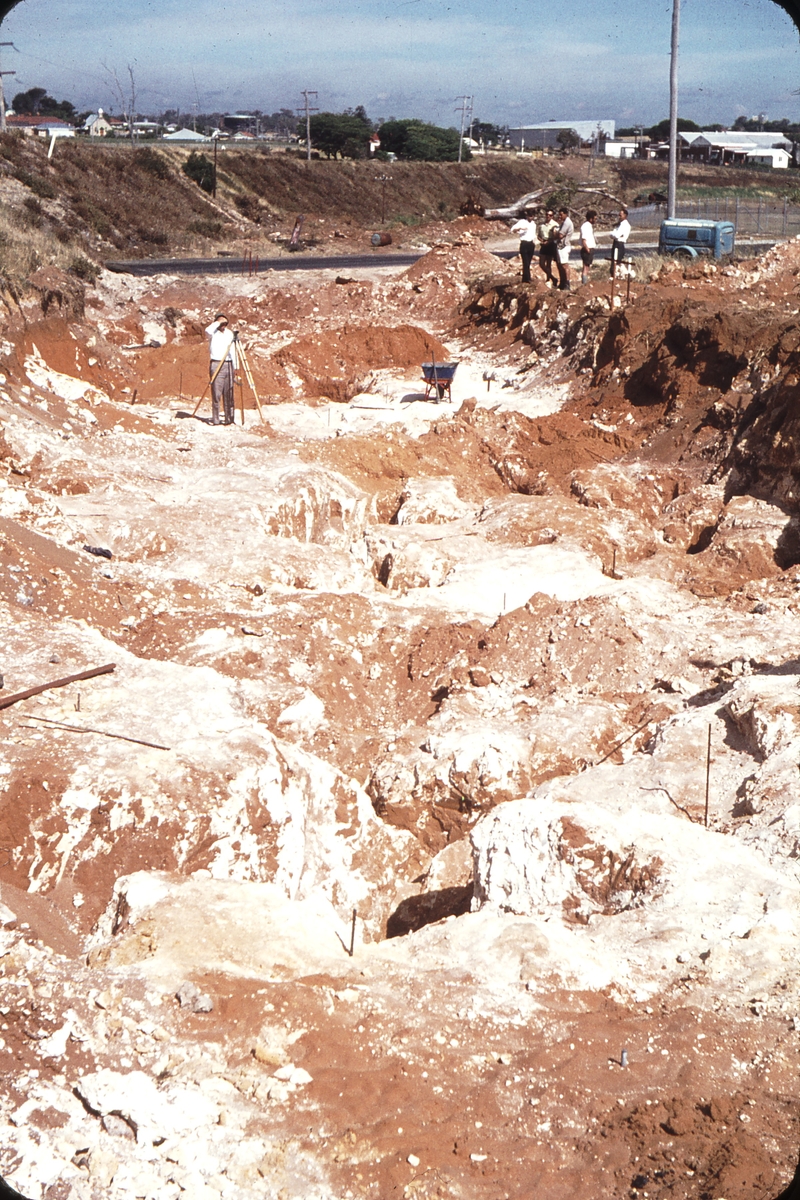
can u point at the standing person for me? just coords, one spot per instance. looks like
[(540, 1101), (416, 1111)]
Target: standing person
[(547, 245), (566, 231), (619, 238), (588, 244), (526, 228), (222, 351)]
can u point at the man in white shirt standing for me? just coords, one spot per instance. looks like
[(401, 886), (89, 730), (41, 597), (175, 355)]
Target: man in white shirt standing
[(566, 231), (224, 363), (619, 238), (588, 244), (526, 228)]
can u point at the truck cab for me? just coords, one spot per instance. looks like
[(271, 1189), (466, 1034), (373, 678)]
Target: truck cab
[(690, 238)]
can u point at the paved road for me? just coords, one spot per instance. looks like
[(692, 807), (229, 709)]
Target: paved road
[(302, 262)]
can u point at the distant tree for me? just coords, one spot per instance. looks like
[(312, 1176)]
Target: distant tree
[(37, 102), (568, 139), (201, 170), (761, 124), (339, 133), (414, 139), (660, 132), (488, 132)]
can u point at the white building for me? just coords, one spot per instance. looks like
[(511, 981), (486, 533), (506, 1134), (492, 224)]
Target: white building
[(185, 135), (614, 149), (731, 146), (777, 158), (545, 134)]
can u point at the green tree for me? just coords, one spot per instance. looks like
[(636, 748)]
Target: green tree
[(660, 132), (37, 102), (568, 139), (201, 170), (417, 140), (484, 129), (339, 133)]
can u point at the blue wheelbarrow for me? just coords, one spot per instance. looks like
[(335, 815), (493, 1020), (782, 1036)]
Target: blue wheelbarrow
[(438, 379)]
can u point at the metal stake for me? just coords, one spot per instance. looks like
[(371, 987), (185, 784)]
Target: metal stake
[(708, 771), (353, 933)]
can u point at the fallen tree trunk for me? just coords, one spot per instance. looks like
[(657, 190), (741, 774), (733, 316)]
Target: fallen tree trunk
[(510, 211), (513, 210)]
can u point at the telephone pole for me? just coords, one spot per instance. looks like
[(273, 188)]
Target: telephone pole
[(672, 183), (466, 107), (308, 111), (2, 92)]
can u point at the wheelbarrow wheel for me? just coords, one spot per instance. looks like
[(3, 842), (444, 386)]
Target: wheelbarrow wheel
[(442, 389)]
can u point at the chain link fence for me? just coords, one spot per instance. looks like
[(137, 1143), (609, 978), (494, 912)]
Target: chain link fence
[(757, 218)]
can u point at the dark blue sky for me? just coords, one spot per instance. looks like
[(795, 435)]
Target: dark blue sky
[(522, 61)]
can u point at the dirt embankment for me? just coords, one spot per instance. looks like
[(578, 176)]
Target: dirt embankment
[(703, 367)]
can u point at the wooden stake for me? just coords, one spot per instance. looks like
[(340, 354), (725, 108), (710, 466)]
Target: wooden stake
[(7, 701), (708, 771), (103, 732), (353, 933)]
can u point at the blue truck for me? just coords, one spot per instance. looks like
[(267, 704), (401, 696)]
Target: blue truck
[(689, 238)]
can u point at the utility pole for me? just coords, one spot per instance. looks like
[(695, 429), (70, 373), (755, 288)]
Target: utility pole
[(466, 106), (2, 92), (308, 111), (673, 109)]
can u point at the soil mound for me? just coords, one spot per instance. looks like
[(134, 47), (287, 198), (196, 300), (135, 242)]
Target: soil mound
[(340, 365)]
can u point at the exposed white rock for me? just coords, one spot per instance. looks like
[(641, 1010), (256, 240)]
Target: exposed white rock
[(155, 1114)]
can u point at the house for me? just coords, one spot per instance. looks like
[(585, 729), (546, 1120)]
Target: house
[(545, 135), (22, 122), (731, 146), (52, 127), (776, 158)]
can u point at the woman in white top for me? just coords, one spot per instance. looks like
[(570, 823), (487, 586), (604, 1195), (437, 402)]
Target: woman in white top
[(526, 228), (588, 244), (619, 238)]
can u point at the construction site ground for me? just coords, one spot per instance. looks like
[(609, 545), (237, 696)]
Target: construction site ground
[(436, 831)]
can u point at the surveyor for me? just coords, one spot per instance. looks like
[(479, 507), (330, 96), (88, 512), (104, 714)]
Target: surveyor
[(548, 251), (566, 231), (526, 228), (619, 238), (223, 365)]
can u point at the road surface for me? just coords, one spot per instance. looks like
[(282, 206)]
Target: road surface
[(350, 262)]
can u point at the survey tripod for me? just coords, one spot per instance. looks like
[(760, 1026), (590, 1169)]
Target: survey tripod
[(244, 372)]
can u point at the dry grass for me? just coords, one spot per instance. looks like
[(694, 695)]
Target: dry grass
[(25, 246)]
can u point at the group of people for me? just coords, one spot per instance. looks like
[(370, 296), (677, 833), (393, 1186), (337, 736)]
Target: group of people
[(554, 236)]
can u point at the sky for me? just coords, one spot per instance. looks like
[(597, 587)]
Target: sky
[(522, 62)]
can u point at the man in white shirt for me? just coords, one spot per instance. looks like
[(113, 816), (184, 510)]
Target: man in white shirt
[(566, 231), (526, 228), (588, 244), (619, 238), (224, 363)]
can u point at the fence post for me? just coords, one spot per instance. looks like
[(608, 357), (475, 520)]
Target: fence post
[(758, 218), (785, 214), (736, 216)]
